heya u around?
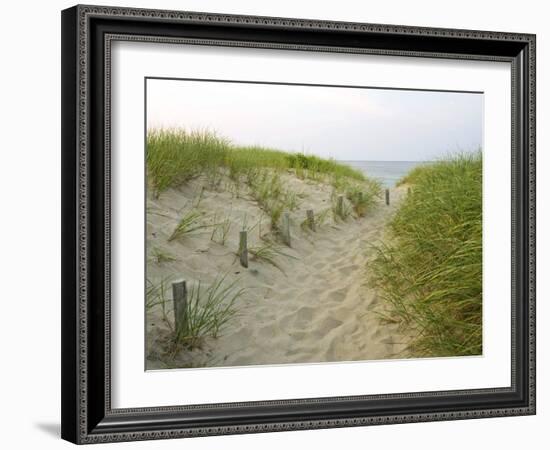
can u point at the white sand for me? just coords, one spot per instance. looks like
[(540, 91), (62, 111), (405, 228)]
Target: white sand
[(319, 310)]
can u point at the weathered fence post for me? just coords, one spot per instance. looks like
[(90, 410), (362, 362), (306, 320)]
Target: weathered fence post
[(285, 231), (387, 196), (310, 219), (243, 249), (179, 296), (340, 206), (408, 191)]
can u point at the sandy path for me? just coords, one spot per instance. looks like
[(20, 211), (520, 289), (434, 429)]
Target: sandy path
[(324, 311), (319, 310)]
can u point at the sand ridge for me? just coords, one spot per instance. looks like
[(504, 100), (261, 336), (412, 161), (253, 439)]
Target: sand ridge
[(318, 308)]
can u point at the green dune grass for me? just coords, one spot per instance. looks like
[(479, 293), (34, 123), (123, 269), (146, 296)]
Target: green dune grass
[(175, 156), (430, 269)]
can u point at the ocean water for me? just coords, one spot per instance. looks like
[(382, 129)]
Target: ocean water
[(388, 172)]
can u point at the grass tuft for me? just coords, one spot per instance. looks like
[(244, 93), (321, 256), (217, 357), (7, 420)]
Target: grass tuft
[(189, 222), (362, 197), (208, 311), (268, 252), (341, 209), (220, 229), (161, 256), (430, 271)]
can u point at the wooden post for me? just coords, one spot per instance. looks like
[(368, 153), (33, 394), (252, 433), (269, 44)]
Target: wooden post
[(243, 249), (408, 191), (179, 296), (285, 231), (310, 219), (387, 196), (340, 206)]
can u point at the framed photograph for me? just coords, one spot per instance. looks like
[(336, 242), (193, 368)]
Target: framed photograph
[(277, 224)]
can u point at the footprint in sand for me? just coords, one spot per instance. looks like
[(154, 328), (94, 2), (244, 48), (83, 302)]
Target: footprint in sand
[(337, 295), (298, 336), (342, 262), (347, 270), (316, 293), (300, 319), (268, 331), (298, 351), (375, 302), (285, 294), (339, 250), (326, 326), (334, 349), (269, 282), (239, 339), (376, 334), (305, 314), (287, 321)]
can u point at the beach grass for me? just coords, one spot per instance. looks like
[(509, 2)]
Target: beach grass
[(361, 198), (268, 191), (221, 227), (269, 252), (208, 311), (175, 156), (155, 295), (430, 268), (189, 222), (341, 209), (161, 256)]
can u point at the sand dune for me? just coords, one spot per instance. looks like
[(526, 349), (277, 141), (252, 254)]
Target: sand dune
[(318, 310)]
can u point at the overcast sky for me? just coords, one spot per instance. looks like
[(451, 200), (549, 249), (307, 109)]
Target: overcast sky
[(342, 123)]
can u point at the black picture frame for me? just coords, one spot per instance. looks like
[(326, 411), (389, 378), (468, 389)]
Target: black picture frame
[(87, 416)]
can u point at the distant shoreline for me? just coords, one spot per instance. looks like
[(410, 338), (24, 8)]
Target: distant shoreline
[(387, 172)]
